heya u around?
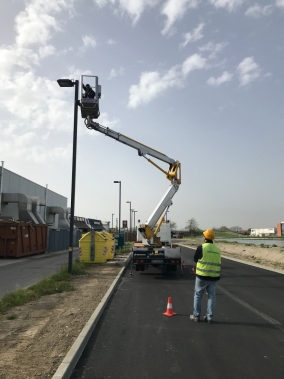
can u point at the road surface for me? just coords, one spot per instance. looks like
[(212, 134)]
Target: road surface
[(135, 340)]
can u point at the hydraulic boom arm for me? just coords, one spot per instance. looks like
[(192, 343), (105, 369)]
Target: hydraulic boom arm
[(173, 174)]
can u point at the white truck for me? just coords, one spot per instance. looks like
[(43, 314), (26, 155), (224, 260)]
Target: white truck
[(149, 250)]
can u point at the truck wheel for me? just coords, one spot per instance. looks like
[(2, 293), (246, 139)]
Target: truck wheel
[(142, 268)]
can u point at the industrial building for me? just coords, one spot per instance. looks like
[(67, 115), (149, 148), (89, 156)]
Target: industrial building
[(22, 200), (280, 229), (265, 232)]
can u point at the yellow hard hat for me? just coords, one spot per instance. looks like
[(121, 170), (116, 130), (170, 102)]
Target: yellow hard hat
[(209, 234)]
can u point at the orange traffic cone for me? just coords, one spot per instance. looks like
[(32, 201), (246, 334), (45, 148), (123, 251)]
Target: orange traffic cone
[(192, 270), (183, 265), (169, 311)]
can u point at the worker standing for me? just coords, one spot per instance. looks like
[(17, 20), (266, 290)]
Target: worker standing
[(208, 267)]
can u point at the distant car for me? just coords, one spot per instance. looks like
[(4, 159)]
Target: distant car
[(174, 236)]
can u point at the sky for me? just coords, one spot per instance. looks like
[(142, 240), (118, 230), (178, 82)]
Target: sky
[(200, 81)]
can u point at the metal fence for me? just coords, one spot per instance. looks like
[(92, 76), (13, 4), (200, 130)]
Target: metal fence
[(59, 239)]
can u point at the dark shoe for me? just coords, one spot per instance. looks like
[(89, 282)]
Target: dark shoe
[(194, 318), (205, 319)]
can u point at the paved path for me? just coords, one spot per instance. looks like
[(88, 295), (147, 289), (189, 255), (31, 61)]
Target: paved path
[(24, 272), (135, 340)]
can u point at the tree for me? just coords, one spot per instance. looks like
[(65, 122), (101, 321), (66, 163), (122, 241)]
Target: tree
[(192, 227), (224, 229), (173, 225), (236, 229)]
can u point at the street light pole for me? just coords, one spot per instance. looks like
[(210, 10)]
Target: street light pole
[(134, 219), (70, 83), (130, 216), (119, 215), (112, 220), (116, 224)]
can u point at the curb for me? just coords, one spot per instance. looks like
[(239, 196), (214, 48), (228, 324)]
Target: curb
[(68, 364)]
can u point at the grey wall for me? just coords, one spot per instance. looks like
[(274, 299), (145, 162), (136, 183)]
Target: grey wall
[(13, 183)]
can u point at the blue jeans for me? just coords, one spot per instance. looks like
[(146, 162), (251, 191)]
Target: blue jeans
[(200, 286)]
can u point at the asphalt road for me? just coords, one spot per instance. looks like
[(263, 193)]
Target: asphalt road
[(135, 340), (24, 272)]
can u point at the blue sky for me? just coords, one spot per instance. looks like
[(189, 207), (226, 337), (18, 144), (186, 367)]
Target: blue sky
[(200, 81)]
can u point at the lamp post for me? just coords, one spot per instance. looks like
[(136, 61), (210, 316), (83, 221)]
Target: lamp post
[(116, 224), (119, 215), (72, 83), (130, 216), (134, 219), (112, 220)]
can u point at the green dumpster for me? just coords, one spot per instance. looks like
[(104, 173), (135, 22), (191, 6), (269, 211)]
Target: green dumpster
[(119, 240)]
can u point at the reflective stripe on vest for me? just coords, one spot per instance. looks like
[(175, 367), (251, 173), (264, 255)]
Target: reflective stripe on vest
[(210, 264)]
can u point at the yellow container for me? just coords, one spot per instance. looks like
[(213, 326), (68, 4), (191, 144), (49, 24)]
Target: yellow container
[(110, 245), (93, 249)]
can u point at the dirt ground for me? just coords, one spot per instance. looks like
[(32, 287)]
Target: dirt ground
[(270, 257), (34, 342)]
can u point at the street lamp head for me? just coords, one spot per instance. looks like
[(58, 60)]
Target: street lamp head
[(117, 181), (129, 202), (65, 83)]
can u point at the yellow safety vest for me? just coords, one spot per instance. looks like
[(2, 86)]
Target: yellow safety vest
[(210, 264)]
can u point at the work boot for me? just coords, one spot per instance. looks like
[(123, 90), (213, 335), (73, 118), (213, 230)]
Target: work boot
[(205, 319), (194, 318)]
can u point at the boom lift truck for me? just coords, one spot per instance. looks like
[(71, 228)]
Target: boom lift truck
[(150, 251)]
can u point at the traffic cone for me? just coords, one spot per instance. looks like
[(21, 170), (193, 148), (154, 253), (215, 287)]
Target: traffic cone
[(192, 270), (169, 311), (183, 265)]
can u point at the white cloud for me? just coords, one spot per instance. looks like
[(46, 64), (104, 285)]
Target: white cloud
[(194, 62), (213, 48), (225, 77), (230, 5), (256, 11), (248, 71), (133, 7), (110, 42), (16, 143), (152, 84), (14, 56), (47, 50), (114, 73), (280, 3), (174, 10), (89, 41), (35, 25), (193, 36)]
